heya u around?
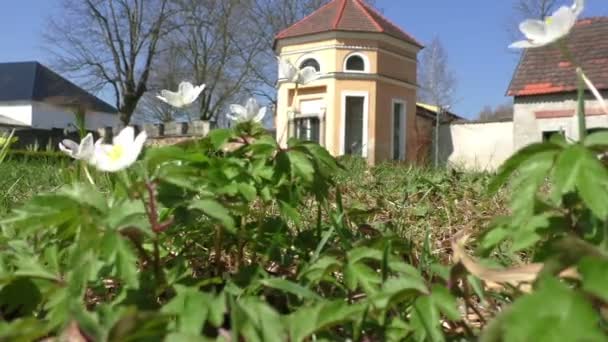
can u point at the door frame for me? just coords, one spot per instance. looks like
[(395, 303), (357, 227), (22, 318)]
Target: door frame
[(365, 96), (403, 137)]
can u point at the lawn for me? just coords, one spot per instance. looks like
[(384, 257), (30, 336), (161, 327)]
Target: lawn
[(231, 238)]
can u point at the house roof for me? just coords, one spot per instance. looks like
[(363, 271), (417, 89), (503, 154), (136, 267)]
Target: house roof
[(32, 81), (430, 111), (6, 121), (346, 15), (545, 70)]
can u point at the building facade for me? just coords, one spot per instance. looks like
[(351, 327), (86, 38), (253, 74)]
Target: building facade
[(364, 103), (544, 86)]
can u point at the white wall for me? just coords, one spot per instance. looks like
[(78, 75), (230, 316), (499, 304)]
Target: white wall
[(476, 146), (19, 111), (46, 116)]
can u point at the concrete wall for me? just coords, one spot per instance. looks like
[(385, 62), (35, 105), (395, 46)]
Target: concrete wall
[(46, 116), (19, 111), (476, 146), (559, 110)]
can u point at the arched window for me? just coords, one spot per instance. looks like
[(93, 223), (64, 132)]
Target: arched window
[(310, 62), (355, 63)]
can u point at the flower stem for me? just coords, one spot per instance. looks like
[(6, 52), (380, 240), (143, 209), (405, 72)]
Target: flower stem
[(218, 249), (582, 126), (88, 174)]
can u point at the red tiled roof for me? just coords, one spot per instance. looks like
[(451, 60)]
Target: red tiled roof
[(346, 15), (546, 71)]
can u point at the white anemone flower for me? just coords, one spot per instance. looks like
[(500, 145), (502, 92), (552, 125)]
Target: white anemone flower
[(83, 151), (122, 153), (185, 95), (540, 33), (250, 112), (289, 71)]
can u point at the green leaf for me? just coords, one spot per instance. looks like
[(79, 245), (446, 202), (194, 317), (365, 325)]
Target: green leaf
[(598, 139), (190, 306), (214, 209), (301, 165), (290, 287), (309, 320), (554, 312), (398, 289), (425, 320), (592, 185), (218, 137), (248, 191), (120, 254), (289, 212), (445, 302), (595, 277), (256, 321), (567, 168), (515, 162)]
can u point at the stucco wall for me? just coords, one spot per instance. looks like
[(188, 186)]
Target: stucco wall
[(19, 111), (528, 129), (383, 133), (476, 146), (382, 53), (46, 116)]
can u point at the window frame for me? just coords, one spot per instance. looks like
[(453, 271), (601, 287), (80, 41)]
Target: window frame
[(360, 55), (306, 58)]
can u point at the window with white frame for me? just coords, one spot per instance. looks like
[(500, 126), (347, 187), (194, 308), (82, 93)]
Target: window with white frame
[(311, 62)]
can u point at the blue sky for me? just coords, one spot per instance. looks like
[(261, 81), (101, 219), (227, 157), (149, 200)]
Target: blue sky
[(473, 32)]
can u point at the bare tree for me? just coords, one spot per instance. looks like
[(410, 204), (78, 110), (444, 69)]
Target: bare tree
[(167, 74), (217, 46), (110, 43), (437, 83), (501, 112), (436, 80)]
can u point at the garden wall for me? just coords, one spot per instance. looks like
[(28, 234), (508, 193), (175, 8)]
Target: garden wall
[(476, 146)]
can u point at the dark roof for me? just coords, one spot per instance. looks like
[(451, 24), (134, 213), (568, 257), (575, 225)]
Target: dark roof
[(545, 70), (430, 112), (6, 121), (346, 15), (32, 81)]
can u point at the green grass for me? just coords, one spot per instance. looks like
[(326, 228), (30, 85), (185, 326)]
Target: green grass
[(418, 204)]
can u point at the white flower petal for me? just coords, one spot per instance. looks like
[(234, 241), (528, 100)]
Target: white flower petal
[(533, 29), (560, 23), (86, 148), (171, 98), (68, 147), (523, 44), (308, 75), (578, 7), (287, 70), (252, 107), (185, 88), (125, 137), (260, 115), (238, 111)]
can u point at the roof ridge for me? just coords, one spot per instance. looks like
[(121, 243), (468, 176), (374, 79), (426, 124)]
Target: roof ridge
[(340, 15), (365, 10), (388, 21), (304, 19)]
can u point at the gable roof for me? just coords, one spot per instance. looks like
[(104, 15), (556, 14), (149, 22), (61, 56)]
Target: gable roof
[(32, 81), (544, 70), (346, 15)]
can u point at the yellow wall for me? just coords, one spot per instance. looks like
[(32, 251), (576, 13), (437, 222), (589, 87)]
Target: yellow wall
[(397, 64)]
